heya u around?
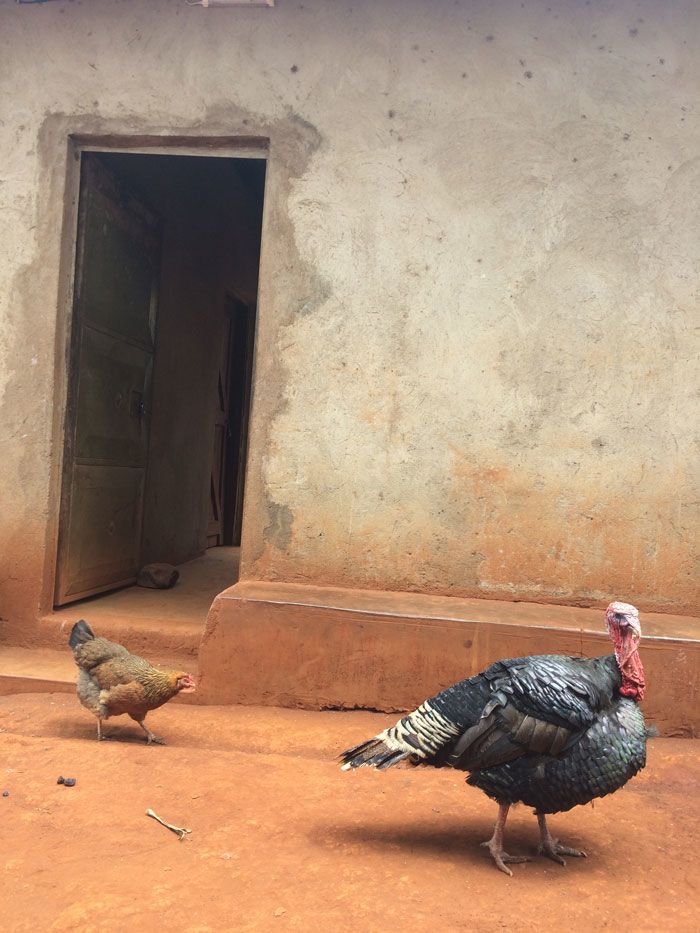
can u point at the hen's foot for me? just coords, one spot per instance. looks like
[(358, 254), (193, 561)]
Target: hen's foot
[(100, 734), (151, 739), (502, 859), (552, 849)]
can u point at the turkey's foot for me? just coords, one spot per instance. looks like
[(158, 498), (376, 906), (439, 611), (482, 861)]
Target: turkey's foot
[(553, 850), (495, 843), (551, 847), (502, 859)]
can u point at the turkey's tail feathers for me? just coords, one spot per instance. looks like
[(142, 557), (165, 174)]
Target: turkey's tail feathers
[(80, 633), (375, 753), (417, 737)]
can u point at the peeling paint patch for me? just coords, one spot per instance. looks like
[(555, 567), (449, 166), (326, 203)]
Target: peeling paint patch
[(279, 529)]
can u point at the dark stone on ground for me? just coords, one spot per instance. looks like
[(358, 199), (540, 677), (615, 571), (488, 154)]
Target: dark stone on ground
[(158, 576)]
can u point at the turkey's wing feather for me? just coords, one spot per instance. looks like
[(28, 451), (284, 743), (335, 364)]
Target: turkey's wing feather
[(539, 705), (534, 705), (503, 734), (567, 692)]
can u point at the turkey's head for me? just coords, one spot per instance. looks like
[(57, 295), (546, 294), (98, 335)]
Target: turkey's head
[(624, 629)]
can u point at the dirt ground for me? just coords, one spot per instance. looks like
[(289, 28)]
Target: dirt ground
[(281, 839)]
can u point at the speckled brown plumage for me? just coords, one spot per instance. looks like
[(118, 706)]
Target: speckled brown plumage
[(113, 682)]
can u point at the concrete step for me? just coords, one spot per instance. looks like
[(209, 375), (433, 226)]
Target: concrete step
[(43, 670), (144, 634), (283, 644)]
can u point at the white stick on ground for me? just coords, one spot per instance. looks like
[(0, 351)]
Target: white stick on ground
[(179, 832)]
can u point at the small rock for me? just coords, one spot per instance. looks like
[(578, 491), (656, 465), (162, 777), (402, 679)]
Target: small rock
[(60, 780), (280, 911), (69, 782), (6, 793), (158, 576)]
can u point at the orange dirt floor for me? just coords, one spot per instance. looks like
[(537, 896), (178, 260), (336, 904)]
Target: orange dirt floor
[(282, 839)]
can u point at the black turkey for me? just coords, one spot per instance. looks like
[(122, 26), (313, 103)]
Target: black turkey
[(547, 731)]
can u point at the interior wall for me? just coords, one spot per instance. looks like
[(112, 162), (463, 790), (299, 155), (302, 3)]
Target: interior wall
[(210, 212), (478, 290)]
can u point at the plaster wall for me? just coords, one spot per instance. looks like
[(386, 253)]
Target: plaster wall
[(475, 358)]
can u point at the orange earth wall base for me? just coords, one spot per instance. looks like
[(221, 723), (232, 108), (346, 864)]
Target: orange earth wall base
[(318, 648)]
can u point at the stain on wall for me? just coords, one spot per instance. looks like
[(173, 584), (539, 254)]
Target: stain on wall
[(478, 283)]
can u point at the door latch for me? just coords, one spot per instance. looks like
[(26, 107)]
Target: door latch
[(137, 409)]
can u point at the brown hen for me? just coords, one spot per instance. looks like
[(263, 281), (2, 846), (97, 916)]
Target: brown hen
[(112, 681)]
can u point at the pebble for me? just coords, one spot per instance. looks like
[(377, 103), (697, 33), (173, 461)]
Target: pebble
[(69, 782), (6, 793), (60, 780)]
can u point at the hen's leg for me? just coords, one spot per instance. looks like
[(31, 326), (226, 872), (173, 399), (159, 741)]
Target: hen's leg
[(150, 737), (550, 847), (100, 736), (495, 843)]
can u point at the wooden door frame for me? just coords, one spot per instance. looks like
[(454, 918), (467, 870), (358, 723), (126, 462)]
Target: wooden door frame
[(184, 144)]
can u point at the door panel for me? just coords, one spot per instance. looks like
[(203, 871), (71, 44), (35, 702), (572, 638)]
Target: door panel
[(111, 384), (110, 375), (116, 281), (104, 529)]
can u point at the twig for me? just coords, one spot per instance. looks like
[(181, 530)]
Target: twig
[(180, 833)]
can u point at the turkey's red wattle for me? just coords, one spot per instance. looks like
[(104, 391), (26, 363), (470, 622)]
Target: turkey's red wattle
[(633, 683)]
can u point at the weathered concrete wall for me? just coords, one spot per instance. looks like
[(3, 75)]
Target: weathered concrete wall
[(478, 281)]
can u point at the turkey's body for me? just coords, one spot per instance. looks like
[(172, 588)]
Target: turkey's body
[(604, 744), (603, 759), (549, 731)]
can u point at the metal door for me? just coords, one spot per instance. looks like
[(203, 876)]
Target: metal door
[(112, 350)]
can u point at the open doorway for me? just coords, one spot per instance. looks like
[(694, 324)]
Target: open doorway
[(165, 297)]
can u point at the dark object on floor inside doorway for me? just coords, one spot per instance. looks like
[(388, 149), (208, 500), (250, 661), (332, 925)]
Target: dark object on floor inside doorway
[(158, 576)]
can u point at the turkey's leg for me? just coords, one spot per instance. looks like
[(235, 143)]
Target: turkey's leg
[(150, 737), (550, 847), (495, 843)]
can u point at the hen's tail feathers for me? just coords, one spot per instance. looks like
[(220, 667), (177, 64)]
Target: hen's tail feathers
[(80, 633)]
